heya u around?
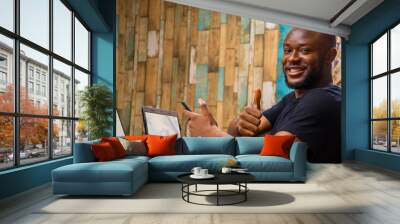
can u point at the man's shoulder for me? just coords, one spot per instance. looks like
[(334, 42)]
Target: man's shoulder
[(321, 100), (330, 93)]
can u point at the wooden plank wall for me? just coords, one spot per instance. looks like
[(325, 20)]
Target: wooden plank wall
[(168, 53)]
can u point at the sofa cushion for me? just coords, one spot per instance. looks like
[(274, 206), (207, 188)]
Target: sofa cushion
[(103, 152), (207, 145), (134, 147), (257, 163), (249, 145), (116, 145), (185, 163), (112, 171), (131, 158), (275, 145), (161, 145)]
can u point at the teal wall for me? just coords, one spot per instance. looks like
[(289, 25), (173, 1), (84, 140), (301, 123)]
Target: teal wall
[(103, 54), (103, 61), (24, 178), (356, 85), (99, 15)]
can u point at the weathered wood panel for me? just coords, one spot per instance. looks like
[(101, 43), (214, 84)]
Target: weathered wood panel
[(151, 82), (213, 49), (201, 83), (212, 86), (229, 67), (271, 39), (154, 14), (258, 50), (202, 48)]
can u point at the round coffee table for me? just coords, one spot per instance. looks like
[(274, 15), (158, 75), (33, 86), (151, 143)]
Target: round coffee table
[(238, 179)]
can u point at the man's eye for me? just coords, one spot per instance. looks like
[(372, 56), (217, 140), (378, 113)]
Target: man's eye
[(287, 51), (305, 50)]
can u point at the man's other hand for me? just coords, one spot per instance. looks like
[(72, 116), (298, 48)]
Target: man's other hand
[(203, 123)]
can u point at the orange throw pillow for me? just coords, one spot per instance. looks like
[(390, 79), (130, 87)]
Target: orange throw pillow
[(116, 145), (161, 145), (136, 137), (277, 145), (103, 152)]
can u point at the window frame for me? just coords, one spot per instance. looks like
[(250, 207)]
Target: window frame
[(16, 114), (388, 74)]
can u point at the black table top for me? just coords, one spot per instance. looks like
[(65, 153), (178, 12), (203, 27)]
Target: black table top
[(220, 178)]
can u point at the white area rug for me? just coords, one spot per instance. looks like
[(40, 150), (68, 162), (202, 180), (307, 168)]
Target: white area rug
[(166, 198)]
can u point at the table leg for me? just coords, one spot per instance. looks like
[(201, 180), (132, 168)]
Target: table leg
[(188, 189), (182, 188), (217, 194), (196, 188), (245, 191)]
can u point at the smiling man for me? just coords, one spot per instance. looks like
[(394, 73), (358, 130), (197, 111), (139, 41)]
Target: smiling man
[(311, 111)]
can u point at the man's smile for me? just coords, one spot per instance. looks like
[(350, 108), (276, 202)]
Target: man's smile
[(294, 71)]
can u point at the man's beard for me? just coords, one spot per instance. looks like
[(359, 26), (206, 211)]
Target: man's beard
[(309, 81)]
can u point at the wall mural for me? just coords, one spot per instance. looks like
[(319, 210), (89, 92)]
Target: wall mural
[(168, 53)]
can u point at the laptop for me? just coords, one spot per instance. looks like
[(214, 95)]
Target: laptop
[(160, 122)]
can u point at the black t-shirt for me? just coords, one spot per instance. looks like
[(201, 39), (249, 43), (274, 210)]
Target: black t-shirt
[(314, 118)]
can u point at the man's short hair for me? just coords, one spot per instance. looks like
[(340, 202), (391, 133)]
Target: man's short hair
[(330, 40)]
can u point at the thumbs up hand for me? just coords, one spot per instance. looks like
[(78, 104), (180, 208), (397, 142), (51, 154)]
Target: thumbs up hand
[(250, 117)]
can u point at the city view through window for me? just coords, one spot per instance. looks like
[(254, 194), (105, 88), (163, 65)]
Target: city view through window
[(39, 113), (385, 91)]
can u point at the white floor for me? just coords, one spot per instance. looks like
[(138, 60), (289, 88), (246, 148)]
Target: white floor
[(377, 189)]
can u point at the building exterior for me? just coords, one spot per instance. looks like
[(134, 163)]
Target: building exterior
[(34, 79)]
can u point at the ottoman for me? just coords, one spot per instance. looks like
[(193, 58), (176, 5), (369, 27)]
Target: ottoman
[(118, 177)]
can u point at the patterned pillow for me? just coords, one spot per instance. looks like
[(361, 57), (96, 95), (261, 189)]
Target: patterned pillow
[(134, 147)]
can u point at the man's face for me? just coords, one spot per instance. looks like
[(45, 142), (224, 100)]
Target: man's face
[(303, 59)]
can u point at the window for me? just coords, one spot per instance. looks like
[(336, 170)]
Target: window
[(30, 72), (62, 137), (3, 61), (6, 142), (47, 74), (34, 21), (38, 74), (30, 87), (3, 72), (62, 74), (38, 89), (7, 14), (44, 91), (81, 45), (6, 74), (62, 31), (3, 78), (81, 81), (385, 94)]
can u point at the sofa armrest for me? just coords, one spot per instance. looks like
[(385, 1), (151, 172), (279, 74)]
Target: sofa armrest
[(83, 152), (298, 155)]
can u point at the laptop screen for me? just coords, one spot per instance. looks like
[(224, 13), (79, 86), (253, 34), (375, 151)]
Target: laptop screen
[(160, 122)]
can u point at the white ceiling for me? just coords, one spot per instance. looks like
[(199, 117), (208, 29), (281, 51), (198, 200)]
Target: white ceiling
[(319, 9), (318, 15)]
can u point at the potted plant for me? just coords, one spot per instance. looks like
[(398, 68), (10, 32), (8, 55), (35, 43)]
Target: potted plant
[(96, 102)]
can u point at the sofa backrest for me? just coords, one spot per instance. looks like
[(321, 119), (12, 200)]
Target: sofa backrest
[(83, 152), (249, 145), (206, 145)]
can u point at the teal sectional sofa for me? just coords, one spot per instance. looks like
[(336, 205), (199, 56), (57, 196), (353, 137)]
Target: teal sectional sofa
[(125, 176)]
